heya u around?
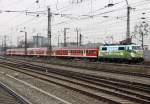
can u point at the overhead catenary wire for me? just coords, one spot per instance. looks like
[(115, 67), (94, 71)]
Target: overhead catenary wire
[(94, 15)]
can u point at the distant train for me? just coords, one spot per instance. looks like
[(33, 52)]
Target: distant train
[(101, 53)]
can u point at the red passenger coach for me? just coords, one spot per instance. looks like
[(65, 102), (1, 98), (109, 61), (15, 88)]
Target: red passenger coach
[(37, 52), (16, 52), (30, 52), (76, 52), (86, 53)]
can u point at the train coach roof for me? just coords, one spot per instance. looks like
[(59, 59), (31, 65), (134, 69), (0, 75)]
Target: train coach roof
[(22, 49), (15, 49), (76, 47), (44, 48), (69, 48)]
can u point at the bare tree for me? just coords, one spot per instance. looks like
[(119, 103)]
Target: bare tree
[(143, 30)]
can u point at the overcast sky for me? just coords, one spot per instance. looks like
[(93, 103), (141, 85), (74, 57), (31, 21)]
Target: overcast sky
[(95, 21)]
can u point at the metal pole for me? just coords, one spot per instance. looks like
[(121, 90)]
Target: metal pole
[(18, 42), (2, 45), (25, 43), (65, 43), (65, 37), (77, 36), (49, 31), (128, 21), (37, 43), (142, 41), (80, 40), (58, 40), (5, 44)]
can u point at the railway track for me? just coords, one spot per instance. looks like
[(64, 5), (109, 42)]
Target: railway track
[(82, 61), (110, 90), (120, 69), (8, 96)]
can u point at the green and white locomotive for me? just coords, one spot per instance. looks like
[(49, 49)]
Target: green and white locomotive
[(123, 53)]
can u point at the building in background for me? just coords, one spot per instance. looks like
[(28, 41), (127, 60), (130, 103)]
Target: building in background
[(40, 41), (36, 41)]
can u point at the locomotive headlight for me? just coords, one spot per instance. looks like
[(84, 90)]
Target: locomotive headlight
[(141, 54), (132, 54), (121, 54)]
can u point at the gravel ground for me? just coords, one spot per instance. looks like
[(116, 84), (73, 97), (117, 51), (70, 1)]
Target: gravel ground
[(102, 65), (6, 98), (96, 65), (104, 74), (99, 73), (39, 98)]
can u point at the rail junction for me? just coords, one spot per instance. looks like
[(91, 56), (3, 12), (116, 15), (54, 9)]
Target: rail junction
[(104, 86)]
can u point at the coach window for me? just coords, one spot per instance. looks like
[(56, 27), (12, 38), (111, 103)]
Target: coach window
[(81, 51), (104, 48), (94, 52), (76, 51), (87, 52), (66, 51), (90, 51)]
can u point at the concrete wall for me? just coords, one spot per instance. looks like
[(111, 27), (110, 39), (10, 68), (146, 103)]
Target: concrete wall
[(147, 55)]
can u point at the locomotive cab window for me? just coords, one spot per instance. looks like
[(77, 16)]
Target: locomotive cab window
[(136, 47), (104, 48), (121, 48)]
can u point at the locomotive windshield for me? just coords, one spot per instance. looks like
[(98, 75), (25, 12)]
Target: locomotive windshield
[(136, 47)]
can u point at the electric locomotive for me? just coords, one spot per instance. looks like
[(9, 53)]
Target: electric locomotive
[(121, 53)]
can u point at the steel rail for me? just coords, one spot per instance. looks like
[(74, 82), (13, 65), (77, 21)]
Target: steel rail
[(105, 91), (17, 96)]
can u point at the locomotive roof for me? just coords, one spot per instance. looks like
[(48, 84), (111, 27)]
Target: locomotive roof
[(119, 45)]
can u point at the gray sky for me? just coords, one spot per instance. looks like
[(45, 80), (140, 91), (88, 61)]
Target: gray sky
[(88, 16)]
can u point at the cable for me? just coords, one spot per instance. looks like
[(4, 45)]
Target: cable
[(12, 3), (81, 16), (107, 6), (102, 13), (20, 13)]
